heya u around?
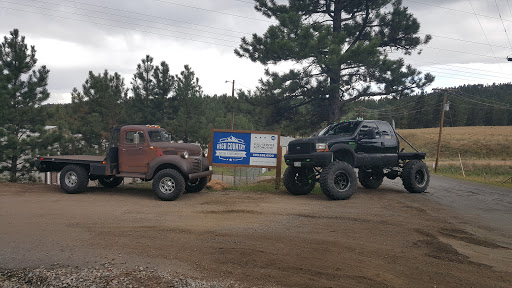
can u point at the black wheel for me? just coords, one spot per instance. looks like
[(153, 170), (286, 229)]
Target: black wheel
[(74, 179), (168, 184), (110, 181), (338, 181), (370, 179), (415, 176), (299, 181), (196, 185)]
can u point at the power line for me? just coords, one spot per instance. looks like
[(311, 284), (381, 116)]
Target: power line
[(458, 51), (443, 75), (118, 15), (499, 13), (155, 16), (471, 69), (214, 11), (245, 1), (483, 31), (114, 26), (482, 103), (126, 22), (504, 104), (457, 10), (463, 40)]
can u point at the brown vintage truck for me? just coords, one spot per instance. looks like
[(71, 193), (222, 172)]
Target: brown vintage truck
[(136, 151)]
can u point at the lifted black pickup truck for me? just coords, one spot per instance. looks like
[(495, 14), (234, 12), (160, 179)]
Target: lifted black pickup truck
[(330, 158)]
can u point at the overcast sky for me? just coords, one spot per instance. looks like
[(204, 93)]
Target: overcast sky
[(469, 43)]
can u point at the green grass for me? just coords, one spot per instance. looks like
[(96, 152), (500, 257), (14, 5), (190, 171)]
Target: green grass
[(488, 174)]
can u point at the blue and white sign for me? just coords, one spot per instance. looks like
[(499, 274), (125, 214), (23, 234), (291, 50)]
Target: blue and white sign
[(240, 148)]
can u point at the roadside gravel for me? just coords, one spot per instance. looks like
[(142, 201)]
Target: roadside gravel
[(102, 276)]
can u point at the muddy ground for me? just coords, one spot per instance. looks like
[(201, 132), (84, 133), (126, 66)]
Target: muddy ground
[(382, 238)]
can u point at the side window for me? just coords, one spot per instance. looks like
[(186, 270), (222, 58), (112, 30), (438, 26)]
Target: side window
[(385, 129), (130, 136), (366, 126)]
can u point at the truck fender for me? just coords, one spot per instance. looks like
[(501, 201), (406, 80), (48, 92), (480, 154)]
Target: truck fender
[(345, 153), (184, 167)]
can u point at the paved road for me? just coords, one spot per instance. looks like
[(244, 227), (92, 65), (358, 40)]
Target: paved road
[(490, 205)]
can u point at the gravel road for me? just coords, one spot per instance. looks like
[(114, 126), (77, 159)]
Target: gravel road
[(125, 237)]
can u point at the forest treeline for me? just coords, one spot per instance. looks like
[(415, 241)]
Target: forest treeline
[(189, 114), (467, 105)]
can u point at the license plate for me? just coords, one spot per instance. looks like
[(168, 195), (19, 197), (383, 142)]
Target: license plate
[(297, 164)]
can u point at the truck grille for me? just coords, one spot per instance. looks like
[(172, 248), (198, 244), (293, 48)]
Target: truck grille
[(301, 148), (197, 164)]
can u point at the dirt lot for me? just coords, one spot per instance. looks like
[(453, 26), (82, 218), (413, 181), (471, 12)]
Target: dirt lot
[(384, 238)]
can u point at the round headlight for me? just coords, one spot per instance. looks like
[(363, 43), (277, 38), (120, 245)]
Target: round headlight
[(184, 155)]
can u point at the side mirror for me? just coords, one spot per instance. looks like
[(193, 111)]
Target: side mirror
[(136, 138)]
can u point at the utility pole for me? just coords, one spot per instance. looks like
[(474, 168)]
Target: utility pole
[(440, 129), (232, 108)]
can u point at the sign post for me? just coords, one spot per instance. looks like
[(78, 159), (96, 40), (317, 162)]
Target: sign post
[(240, 148)]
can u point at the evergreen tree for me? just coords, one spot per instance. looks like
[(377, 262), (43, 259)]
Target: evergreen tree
[(152, 86), (98, 108), (22, 91), (189, 119), (343, 49)]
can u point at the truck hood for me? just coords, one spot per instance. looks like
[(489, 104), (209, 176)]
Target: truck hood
[(177, 148)]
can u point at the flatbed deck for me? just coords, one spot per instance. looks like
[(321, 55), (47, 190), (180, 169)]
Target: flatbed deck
[(74, 158)]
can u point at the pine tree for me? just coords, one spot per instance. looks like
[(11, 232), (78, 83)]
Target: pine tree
[(152, 85), (189, 118), (98, 108), (342, 48), (22, 91)]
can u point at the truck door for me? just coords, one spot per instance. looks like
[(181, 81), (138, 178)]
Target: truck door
[(133, 157), (389, 141), (366, 144)]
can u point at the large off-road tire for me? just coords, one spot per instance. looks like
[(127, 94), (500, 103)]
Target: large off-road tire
[(168, 184), (370, 179), (74, 178), (338, 181), (415, 176), (299, 181), (196, 185), (110, 181)]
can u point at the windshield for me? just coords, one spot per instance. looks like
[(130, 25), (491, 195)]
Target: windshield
[(343, 128), (159, 136)]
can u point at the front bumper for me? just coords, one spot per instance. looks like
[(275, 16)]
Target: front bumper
[(200, 174), (316, 159)]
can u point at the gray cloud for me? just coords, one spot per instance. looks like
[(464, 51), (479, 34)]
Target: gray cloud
[(73, 37)]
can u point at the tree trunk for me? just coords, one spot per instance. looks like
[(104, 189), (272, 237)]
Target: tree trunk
[(334, 73), (14, 169)]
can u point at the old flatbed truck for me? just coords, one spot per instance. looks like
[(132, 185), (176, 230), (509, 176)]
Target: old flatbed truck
[(136, 151)]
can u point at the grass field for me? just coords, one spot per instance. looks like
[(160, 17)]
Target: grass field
[(473, 143), (486, 152)]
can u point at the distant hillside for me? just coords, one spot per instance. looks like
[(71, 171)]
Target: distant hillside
[(473, 143), (470, 105)]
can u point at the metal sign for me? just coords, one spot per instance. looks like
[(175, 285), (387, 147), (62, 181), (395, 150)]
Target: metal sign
[(244, 148)]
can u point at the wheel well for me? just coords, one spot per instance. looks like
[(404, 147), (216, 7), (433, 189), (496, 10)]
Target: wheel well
[(345, 156), (167, 166)]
